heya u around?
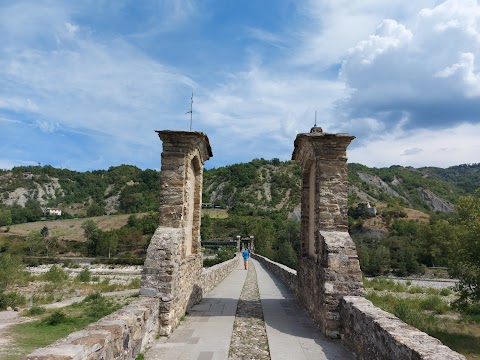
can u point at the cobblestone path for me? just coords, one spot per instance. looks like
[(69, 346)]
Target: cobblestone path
[(249, 337)]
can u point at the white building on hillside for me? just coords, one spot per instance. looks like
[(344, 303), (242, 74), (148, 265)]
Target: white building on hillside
[(53, 211), (365, 206)]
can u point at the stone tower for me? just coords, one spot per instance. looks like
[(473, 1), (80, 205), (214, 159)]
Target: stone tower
[(328, 266), (174, 262)]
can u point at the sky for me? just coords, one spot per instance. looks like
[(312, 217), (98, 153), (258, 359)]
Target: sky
[(84, 84)]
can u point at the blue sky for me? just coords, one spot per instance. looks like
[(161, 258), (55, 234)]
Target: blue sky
[(84, 84)]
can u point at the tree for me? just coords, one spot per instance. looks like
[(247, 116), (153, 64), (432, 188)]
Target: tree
[(91, 234), (5, 217), (34, 242), (107, 244), (44, 232), (47, 241), (11, 270), (95, 209), (466, 257)]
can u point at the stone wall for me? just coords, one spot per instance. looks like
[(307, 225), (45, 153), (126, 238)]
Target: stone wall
[(284, 273), (371, 333), (120, 335), (212, 276), (376, 334), (130, 330)]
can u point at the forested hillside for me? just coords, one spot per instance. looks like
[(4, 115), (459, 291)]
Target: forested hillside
[(25, 191), (415, 225), (244, 189)]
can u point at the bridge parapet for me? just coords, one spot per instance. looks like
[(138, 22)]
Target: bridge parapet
[(370, 332), (128, 331), (121, 335), (376, 334)]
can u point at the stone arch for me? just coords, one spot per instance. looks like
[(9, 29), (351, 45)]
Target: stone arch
[(193, 205), (308, 209)]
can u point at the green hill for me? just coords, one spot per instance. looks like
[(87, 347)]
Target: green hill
[(245, 189)]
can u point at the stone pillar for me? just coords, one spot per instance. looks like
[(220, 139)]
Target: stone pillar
[(328, 266), (174, 261)]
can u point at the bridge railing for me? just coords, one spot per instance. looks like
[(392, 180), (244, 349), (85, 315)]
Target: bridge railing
[(371, 332)]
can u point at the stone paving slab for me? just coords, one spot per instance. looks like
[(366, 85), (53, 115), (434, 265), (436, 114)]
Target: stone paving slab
[(292, 334), (206, 332)]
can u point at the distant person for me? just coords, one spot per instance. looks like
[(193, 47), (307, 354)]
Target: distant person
[(246, 255)]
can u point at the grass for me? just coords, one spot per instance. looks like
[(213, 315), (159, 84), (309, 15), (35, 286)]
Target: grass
[(50, 292), (70, 229), (54, 325), (384, 284), (216, 213), (460, 332)]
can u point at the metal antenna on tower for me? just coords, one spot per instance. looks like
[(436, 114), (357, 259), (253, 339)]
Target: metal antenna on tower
[(191, 111), (315, 118)]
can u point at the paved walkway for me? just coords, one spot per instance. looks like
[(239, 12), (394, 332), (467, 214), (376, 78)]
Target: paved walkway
[(291, 333), (206, 332)]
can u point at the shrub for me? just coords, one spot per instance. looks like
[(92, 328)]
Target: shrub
[(403, 311), (11, 299), (85, 275), (434, 303), (134, 283), (99, 306), (55, 318), (36, 310), (416, 290), (432, 291), (445, 292), (55, 274), (71, 264), (92, 297)]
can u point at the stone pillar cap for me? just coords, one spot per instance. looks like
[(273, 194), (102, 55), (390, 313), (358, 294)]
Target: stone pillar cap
[(165, 134), (315, 135)]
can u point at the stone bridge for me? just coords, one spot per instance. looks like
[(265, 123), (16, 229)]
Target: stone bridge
[(270, 311)]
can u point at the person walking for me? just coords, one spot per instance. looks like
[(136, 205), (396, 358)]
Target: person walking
[(246, 255)]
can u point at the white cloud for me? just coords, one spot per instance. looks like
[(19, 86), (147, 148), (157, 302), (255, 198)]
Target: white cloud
[(416, 69), (389, 36), (337, 25), (406, 65), (422, 147), (465, 69), (18, 104), (7, 120), (411, 151), (265, 36), (90, 86), (46, 126), (262, 105)]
